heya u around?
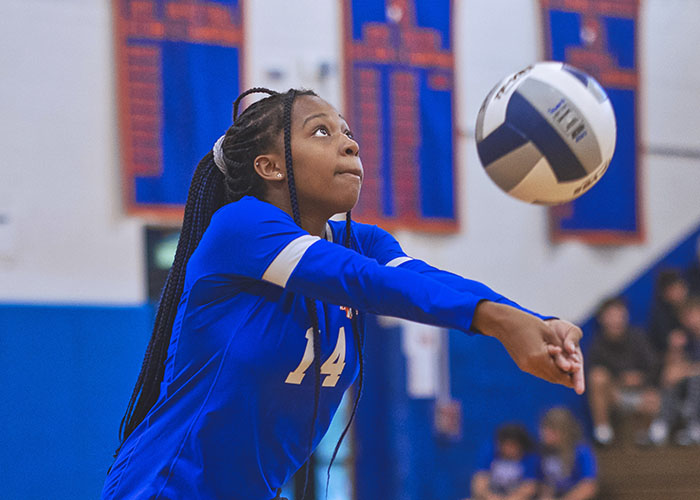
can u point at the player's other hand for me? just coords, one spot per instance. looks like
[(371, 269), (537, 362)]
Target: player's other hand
[(549, 350)]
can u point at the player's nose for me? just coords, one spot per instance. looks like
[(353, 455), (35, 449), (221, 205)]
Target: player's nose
[(350, 147)]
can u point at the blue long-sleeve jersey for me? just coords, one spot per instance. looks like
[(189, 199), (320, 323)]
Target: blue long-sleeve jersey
[(236, 403)]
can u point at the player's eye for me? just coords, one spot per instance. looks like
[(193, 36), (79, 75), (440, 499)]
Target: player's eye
[(321, 131), (350, 134)]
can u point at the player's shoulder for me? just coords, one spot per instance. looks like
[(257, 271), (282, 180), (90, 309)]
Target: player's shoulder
[(367, 236), (358, 228), (247, 214), (250, 207)]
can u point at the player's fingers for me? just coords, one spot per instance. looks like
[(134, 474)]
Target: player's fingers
[(556, 375), (561, 361), (579, 381), (550, 336), (578, 378), (564, 362), (572, 337), (553, 350), (545, 367)]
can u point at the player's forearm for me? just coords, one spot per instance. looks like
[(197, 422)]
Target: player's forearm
[(490, 318), (344, 278)]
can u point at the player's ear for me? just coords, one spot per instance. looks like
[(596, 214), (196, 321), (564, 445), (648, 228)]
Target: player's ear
[(269, 167)]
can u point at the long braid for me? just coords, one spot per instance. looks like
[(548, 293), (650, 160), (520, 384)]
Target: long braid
[(358, 334), (288, 102), (310, 304), (253, 133), (204, 197)]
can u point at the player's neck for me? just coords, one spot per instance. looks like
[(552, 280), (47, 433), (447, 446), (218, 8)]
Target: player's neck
[(316, 226)]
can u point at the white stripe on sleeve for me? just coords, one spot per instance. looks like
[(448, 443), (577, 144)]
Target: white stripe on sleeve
[(398, 261), (281, 268)]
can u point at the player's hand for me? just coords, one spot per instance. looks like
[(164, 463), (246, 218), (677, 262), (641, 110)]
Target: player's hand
[(548, 350), (570, 359)]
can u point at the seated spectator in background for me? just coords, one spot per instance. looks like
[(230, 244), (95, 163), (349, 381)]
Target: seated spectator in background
[(670, 293), (680, 399), (568, 468), (622, 370), (693, 272), (507, 469)]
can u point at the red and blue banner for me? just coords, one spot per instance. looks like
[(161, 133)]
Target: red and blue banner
[(399, 100), (600, 37), (178, 66)]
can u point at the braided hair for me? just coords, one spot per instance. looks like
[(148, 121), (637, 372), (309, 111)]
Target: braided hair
[(254, 132)]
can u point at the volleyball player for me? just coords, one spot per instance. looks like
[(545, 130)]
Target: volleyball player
[(259, 329)]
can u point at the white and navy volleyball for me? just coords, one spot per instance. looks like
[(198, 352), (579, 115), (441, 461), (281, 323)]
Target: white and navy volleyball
[(546, 134)]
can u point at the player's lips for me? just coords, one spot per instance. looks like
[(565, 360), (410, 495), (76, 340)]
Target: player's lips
[(357, 172)]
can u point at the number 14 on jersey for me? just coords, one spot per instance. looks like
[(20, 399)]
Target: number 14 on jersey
[(332, 368)]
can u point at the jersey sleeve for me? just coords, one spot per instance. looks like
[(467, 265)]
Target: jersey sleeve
[(256, 240), (384, 248)]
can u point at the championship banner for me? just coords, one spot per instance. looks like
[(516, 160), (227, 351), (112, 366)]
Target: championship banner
[(600, 37), (178, 67), (399, 92)]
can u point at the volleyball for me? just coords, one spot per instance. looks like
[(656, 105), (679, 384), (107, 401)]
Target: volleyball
[(546, 134)]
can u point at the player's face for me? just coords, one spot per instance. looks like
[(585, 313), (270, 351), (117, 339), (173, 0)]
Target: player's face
[(327, 167)]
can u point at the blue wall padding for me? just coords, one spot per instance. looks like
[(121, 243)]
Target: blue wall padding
[(67, 376)]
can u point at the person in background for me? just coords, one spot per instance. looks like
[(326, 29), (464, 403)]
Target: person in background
[(681, 381), (568, 469), (508, 470), (623, 369), (671, 293)]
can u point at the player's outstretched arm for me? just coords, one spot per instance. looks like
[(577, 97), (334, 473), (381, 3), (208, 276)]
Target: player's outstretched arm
[(533, 343), (383, 247)]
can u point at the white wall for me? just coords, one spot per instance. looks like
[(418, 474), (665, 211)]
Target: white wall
[(59, 177), (74, 244)]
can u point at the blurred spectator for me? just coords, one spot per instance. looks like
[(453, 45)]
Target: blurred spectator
[(507, 469), (623, 369), (681, 381), (568, 465), (693, 272), (671, 292)]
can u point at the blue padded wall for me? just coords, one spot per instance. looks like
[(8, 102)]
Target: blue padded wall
[(67, 376)]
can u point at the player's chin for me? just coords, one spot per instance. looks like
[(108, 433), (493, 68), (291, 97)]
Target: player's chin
[(348, 193)]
